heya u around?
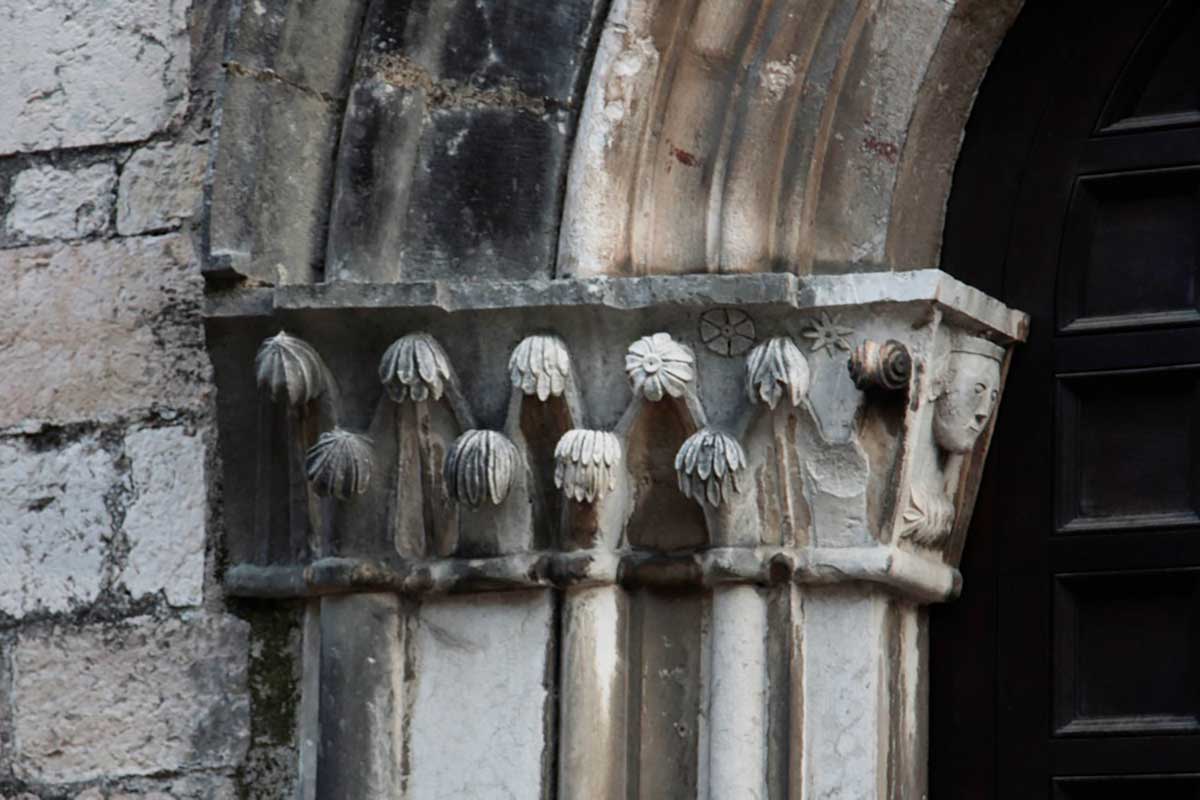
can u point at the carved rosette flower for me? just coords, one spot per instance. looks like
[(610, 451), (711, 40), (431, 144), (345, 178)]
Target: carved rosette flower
[(415, 368), (880, 366), (540, 366), (774, 368), (290, 367), (708, 464), (659, 366), (927, 520), (339, 464), (727, 331), (480, 467), (585, 464)]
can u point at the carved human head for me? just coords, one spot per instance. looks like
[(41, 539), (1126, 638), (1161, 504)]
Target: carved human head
[(968, 389)]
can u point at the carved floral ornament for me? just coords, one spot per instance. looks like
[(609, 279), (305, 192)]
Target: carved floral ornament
[(480, 465), (828, 409)]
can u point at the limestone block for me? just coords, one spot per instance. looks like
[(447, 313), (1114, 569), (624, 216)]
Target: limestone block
[(101, 330), (535, 48), (139, 698), (50, 203), (481, 696), (463, 191), (270, 185), (310, 45), (160, 187), (53, 523), (165, 522), (191, 787), (844, 647), (82, 73)]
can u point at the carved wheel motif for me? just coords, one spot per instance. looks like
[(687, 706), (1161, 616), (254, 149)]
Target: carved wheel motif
[(727, 331)]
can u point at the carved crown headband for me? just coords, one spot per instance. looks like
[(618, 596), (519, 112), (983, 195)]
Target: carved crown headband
[(975, 346)]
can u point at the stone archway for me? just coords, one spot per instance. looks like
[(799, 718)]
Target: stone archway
[(421, 193), (781, 135), (785, 136)]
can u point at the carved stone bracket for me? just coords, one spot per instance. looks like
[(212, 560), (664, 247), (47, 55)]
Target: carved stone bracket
[(758, 428)]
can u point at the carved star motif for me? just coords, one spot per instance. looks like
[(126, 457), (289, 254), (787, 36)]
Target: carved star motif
[(828, 334)]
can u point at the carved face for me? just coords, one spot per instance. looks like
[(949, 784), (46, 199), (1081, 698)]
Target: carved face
[(970, 388)]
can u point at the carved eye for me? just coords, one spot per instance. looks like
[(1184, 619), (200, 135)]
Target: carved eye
[(980, 388), (995, 395)]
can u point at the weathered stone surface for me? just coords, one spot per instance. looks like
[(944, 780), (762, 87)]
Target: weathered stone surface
[(362, 699), (143, 697), (101, 330), (489, 44), (480, 698), (82, 73), (466, 192), (160, 187), (270, 187), (454, 143), (307, 44), (53, 525), (164, 523), (191, 787), (51, 203), (700, 291), (844, 705)]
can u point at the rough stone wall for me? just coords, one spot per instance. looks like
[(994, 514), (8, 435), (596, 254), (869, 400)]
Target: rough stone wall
[(123, 671)]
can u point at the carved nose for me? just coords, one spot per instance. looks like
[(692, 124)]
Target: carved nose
[(980, 419)]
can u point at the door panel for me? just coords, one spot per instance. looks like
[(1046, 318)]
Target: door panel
[(1158, 788), (1070, 667)]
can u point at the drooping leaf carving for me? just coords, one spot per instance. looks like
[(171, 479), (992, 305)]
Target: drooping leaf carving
[(775, 369), (585, 464), (540, 366), (286, 366), (480, 467), (415, 368), (708, 464), (339, 464)]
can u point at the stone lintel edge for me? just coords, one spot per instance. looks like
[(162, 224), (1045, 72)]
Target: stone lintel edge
[(925, 286), (909, 575)]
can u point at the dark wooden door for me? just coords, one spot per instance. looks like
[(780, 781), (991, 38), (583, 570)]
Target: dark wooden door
[(1070, 668)]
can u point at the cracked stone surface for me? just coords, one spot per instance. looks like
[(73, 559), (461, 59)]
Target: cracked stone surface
[(50, 203), (138, 698), (160, 187), (133, 340), (53, 525), (83, 73), (489, 654), (165, 522)]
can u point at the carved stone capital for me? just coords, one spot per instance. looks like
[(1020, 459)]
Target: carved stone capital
[(838, 414)]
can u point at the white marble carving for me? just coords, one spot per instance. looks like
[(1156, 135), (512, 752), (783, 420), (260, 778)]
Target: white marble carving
[(881, 366), (585, 464), (658, 366), (966, 393), (928, 518), (541, 366), (775, 369), (290, 367), (415, 368), (480, 467), (339, 464), (708, 464)]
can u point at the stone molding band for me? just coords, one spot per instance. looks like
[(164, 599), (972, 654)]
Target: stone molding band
[(908, 575)]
